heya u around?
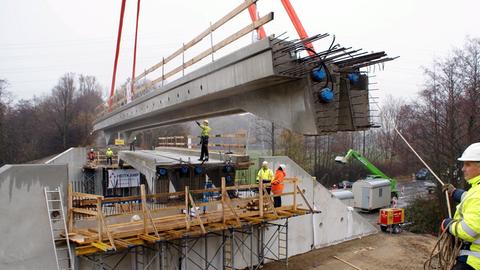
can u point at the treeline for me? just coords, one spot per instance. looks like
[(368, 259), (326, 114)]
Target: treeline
[(35, 128)]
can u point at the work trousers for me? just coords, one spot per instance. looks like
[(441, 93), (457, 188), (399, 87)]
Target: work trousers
[(109, 160), (277, 201), (204, 150), (462, 266), (266, 182)]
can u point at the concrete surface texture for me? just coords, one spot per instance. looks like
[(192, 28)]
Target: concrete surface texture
[(27, 242), (336, 223), (248, 80), (75, 158), (146, 161), (24, 227), (214, 155)]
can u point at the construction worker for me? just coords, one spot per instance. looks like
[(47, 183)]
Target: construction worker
[(132, 144), (265, 175), (109, 155), (91, 155), (465, 224), (204, 140), (277, 185)]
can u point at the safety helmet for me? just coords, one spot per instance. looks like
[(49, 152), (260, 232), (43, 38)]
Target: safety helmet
[(91, 149), (472, 153), (205, 121), (109, 148), (265, 163), (135, 218), (283, 167)]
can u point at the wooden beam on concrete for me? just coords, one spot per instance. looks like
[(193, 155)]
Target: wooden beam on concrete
[(265, 19), (305, 199), (197, 215), (102, 246), (198, 38)]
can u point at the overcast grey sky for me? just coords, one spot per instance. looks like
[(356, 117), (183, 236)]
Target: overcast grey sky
[(40, 40)]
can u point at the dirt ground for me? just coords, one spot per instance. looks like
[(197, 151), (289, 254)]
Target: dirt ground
[(403, 251)]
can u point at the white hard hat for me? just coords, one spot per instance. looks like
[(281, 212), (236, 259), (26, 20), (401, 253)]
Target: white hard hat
[(135, 218), (472, 153), (264, 163), (91, 149), (205, 121), (283, 167)]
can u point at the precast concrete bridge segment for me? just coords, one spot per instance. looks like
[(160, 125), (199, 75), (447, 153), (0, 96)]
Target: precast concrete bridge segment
[(266, 78)]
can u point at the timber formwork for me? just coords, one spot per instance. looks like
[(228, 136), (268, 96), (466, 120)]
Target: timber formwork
[(210, 229)]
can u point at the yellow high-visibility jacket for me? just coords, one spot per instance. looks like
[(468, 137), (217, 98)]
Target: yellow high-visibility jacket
[(109, 153), (466, 221), (205, 130), (264, 174)]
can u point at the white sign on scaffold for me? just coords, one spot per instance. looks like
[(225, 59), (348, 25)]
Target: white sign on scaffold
[(123, 178)]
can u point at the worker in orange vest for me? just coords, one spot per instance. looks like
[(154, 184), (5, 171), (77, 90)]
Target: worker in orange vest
[(91, 155), (277, 185)]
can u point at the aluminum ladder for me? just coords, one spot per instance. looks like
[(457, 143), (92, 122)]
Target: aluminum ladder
[(58, 229)]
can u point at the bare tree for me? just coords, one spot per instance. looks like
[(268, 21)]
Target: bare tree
[(469, 67), (62, 105), (265, 134)]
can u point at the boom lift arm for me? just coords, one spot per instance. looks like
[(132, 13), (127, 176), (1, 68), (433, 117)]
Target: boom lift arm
[(374, 170)]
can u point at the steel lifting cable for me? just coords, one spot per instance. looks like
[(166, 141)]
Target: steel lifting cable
[(135, 50), (119, 39), (447, 247)]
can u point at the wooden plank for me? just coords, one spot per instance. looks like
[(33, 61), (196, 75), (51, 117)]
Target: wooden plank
[(122, 243), (149, 238), (144, 207), (109, 235), (84, 211), (253, 219), (187, 208), (219, 45), (230, 205), (99, 219), (198, 38), (260, 200), (284, 213), (151, 221), (86, 250), (265, 19), (347, 263), (197, 215), (102, 246), (223, 200), (305, 199), (85, 195), (69, 207), (271, 202), (295, 195)]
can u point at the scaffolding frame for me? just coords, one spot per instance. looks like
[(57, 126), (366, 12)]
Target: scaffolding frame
[(251, 243)]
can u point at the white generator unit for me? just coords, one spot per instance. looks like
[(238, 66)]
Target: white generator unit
[(346, 196), (370, 194)]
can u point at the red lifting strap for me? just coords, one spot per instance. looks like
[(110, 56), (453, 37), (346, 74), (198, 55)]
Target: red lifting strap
[(252, 9), (119, 38), (135, 49), (297, 24)]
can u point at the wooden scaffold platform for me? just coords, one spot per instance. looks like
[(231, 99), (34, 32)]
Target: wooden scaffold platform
[(99, 225)]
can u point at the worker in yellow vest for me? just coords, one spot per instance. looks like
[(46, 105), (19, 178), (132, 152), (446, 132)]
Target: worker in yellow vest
[(109, 155), (265, 175), (204, 140), (465, 224)]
